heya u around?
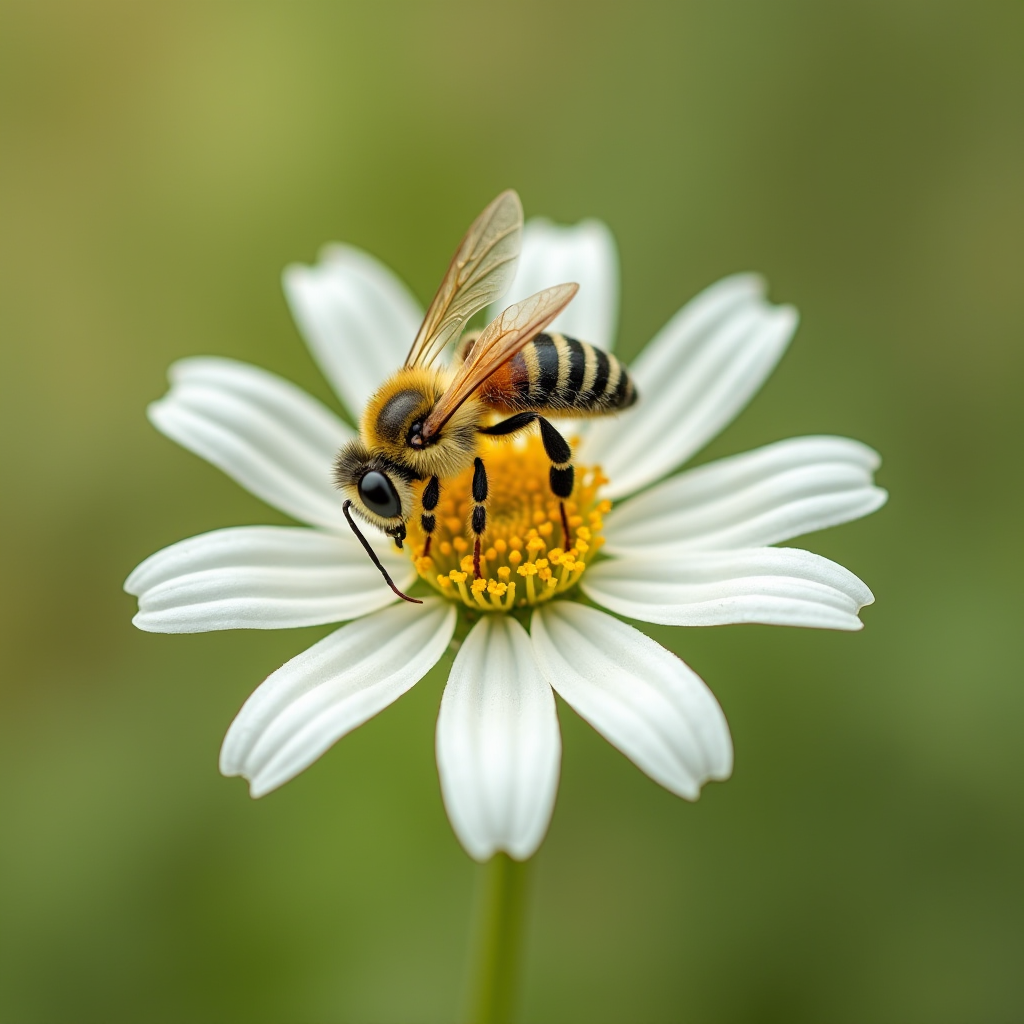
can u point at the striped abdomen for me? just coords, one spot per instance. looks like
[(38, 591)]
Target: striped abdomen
[(561, 375)]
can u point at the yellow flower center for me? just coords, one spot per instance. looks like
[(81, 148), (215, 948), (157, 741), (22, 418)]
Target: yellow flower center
[(525, 558)]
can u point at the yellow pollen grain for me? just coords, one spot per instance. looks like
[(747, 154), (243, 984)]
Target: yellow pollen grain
[(515, 557), (503, 573), (500, 546)]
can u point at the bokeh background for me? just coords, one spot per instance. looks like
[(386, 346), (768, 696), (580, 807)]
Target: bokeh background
[(161, 163)]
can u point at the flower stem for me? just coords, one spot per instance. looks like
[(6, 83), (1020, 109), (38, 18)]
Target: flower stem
[(501, 900)]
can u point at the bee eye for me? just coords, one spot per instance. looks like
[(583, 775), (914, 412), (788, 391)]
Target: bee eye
[(378, 495)]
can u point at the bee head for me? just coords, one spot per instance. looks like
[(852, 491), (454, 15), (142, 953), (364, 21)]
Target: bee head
[(380, 491)]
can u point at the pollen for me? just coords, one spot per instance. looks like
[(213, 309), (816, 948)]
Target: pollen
[(525, 557)]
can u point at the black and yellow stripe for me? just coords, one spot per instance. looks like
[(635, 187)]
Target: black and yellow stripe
[(560, 375)]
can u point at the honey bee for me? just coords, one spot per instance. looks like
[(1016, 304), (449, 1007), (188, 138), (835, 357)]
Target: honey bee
[(427, 421)]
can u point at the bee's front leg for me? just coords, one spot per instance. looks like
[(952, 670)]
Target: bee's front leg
[(429, 499), (479, 516)]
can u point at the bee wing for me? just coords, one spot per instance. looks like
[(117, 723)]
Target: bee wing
[(503, 337), (480, 272)]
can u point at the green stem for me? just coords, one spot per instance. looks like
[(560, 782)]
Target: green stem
[(501, 900)]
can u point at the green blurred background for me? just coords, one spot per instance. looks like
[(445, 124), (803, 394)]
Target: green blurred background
[(160, 165)]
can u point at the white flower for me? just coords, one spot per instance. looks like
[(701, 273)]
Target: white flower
[(692, 550)]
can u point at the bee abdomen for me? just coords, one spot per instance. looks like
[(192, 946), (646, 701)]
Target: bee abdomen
[(562, 375)]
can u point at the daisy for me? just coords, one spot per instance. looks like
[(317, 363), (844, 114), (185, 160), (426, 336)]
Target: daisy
[(694, 549)]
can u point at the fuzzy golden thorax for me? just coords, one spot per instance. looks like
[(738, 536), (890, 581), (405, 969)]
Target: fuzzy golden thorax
[(406, 399)]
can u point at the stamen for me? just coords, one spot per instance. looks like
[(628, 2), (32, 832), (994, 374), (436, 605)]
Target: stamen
[(459, 579)]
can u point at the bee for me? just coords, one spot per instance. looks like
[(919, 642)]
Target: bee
[(427, 421)]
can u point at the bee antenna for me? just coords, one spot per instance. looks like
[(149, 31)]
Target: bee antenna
[(373, 556)]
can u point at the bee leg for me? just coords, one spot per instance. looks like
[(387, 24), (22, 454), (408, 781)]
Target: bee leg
[(479, 518), (562, 476), (431, 495), (511, 425), (565, 525)]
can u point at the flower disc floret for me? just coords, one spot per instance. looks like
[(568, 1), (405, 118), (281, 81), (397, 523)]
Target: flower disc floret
[(525, 558)]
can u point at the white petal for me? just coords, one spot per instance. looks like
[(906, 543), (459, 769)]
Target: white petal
[(260, 577), (700, 370), (357, 317), (584, 253), (498, 745), (761, 497), (777, 586), (263, 431), (640, 697), (309, 703)]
